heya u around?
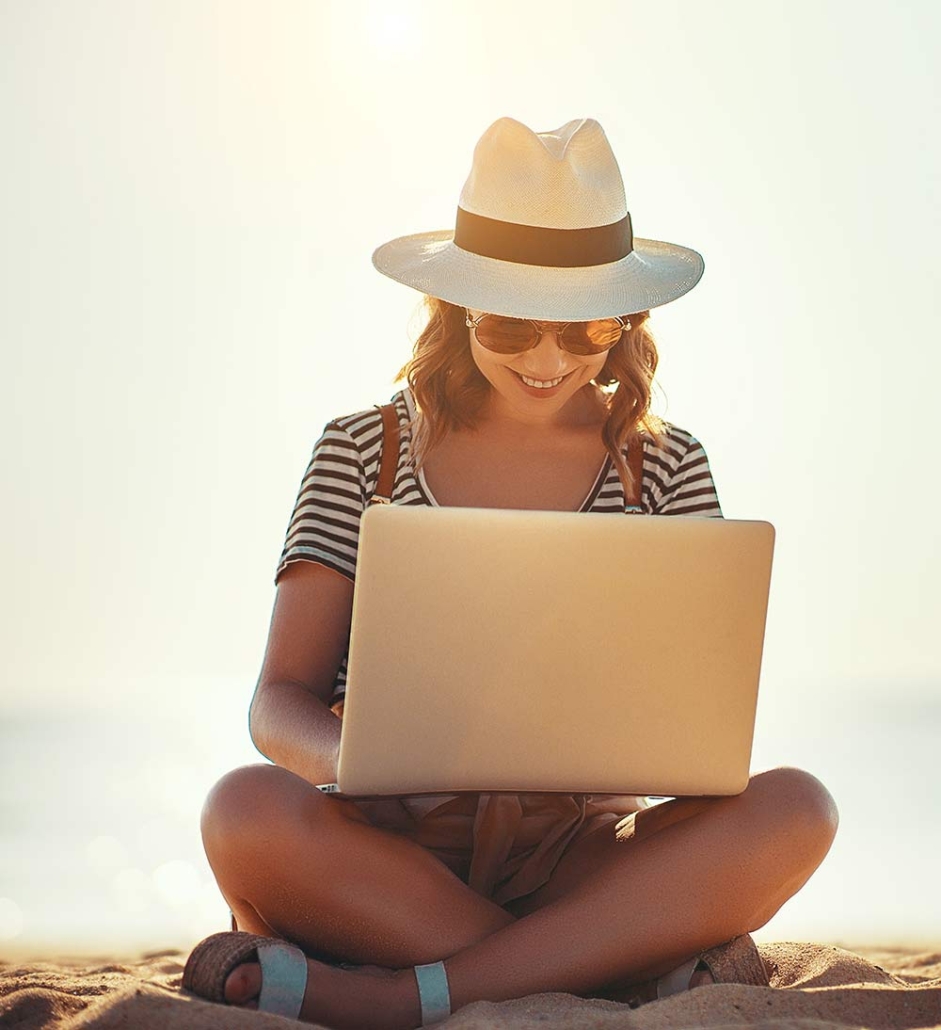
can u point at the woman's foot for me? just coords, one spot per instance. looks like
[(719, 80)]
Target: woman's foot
[(340, 998), (735, 961), (334, 996), (641, 993), (701, 977)]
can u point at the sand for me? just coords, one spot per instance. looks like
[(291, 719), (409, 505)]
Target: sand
[(814, 987)]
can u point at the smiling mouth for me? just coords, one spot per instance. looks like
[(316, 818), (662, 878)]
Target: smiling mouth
[(540, 384)]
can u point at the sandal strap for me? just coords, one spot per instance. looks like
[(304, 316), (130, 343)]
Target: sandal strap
[(433, 993), (283, 979), (678, 979)]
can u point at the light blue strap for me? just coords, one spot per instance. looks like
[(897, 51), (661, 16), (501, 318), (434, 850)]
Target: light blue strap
[(283, 979), (678, 980), (433, 993)]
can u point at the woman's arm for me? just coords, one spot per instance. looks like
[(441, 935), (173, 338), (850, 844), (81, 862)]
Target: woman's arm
[(290, 720)]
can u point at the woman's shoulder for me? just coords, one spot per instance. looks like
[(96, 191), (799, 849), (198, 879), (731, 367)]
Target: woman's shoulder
[(677, 477), (364, 428), (673, 444)]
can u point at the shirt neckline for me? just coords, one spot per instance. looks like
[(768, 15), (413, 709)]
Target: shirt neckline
[(425, 489)]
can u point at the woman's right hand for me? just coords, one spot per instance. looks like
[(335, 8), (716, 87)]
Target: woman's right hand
[(290, 719)]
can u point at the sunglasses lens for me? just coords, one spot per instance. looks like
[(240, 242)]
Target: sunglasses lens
[(506, 335), (591, 337)]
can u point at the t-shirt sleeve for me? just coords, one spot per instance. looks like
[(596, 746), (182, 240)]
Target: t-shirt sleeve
[(324, 526), (684, 481)]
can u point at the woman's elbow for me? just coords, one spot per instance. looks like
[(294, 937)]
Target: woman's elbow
[(258, 719)]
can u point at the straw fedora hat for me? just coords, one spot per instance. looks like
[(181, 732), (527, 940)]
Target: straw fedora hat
[(543, 231)]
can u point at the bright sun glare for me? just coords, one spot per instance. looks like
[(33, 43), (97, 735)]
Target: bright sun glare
[(393, 32)]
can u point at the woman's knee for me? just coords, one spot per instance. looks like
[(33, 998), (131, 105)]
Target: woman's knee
[(254, 804), (800, 808)]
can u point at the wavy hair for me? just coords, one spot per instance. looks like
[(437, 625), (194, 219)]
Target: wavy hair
[(450, 390)]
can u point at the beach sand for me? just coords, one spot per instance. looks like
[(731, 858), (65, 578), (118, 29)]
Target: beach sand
[(814, 987)]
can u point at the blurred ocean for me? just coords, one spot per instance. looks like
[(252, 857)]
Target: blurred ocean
[(99, 822)]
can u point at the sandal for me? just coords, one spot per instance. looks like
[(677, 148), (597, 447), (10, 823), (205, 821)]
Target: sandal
[(284, 974), (283, 970), (736, 961)]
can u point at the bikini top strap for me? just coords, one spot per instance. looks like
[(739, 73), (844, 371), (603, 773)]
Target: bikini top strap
[(635, 463), (390, 455)]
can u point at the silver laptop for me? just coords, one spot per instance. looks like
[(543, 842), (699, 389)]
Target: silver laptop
[(534, 651)]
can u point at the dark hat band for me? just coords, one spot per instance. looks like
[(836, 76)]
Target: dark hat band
[(537, 245)]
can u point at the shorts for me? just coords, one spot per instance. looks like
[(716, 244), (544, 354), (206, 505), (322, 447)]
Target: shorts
[(503, 846)]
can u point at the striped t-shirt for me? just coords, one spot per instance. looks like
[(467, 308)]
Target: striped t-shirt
[(344, 470)]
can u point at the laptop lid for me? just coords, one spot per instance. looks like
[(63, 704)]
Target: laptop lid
[(535, 651)]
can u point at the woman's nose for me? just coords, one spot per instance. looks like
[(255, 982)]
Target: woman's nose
[(547, 359)]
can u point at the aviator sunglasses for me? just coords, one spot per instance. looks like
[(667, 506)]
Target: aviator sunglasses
[(505, 335)]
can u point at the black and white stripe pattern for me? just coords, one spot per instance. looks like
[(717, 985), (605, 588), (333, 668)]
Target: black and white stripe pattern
[(344, 470)]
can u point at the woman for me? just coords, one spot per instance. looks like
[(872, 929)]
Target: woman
[(538, 299)]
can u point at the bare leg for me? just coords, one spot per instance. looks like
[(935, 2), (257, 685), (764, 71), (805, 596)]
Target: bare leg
[(294, 863), (723, 870), (695, 874)]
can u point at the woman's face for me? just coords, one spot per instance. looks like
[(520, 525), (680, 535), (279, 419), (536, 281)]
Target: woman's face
[(540, 382)]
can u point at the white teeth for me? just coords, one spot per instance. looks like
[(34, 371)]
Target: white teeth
[(542, 384)]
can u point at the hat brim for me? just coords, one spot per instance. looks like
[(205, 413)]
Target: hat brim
[(653, 274)]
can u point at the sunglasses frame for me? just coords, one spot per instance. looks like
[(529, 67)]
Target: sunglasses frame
[(541, 328)]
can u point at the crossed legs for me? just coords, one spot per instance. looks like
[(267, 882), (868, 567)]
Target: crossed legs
[(296, 864)]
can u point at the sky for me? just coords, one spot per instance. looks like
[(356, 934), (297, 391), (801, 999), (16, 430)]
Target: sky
[(191, 192)]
